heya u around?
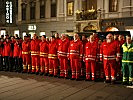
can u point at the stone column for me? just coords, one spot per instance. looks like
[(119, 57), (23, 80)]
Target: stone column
[(48, 9), (106, 8), (28, 11), (60, 10), (19, 11), (37, 11)]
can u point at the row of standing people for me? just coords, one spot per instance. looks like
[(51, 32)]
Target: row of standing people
[(91, 58)]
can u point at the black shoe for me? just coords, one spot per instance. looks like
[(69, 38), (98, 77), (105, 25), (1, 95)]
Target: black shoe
[(72, 79), (125, 83), (37, 73), (67, 78), (113, 82), (41, 74), (78, 79), (50, 75), (87, 80), (130, 83), (107, 81), (55, 76), (32, 72), (60, 77), (45, 74)]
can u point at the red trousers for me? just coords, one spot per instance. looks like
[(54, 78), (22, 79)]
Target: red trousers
[(63, 67), (90, 70), (35, 63), (75, 67), (53, 67), (26, 62), (44, 65), (110, 69)]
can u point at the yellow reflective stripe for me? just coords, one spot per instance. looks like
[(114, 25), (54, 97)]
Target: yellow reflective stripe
[(127, 61), (43, 53), (25, 52), (130, 50), (125, 49)]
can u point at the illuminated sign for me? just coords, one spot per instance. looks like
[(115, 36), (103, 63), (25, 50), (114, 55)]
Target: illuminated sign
[(9, 12), (32, 27)]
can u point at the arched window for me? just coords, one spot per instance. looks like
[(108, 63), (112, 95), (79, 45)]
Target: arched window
[(113, 5), (24, 11), (53, 8), (32, 10), (42, 8)]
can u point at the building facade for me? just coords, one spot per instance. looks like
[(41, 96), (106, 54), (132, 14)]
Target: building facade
[(8, 17), (66, 16)]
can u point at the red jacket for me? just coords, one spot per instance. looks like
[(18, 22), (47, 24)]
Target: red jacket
[(53, 47), (109, 51), (35, 49), (75, 49), (44, 49), (17, 50), (7, 49), (25, 47), (63, 48), (91, 51)]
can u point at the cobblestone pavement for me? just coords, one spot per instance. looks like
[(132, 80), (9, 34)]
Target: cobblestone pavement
[(18, 86)]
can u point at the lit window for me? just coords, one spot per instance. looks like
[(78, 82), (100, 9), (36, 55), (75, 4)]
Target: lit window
[(24, 33), (70, 8), (3, 32), (131, 32), (42, 33), (16, 32)]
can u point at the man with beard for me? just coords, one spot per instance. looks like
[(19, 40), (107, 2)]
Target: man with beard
[(109, 54)]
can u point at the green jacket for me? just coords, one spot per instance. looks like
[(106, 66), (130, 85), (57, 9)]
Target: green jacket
[(127, 53)]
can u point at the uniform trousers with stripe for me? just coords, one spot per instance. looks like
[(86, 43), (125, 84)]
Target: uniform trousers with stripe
[(127, 70), (75, 67), (53, 66), (35, 63), (44, 62), (110, 69), (26, 62), (90, 69), (63, 67)]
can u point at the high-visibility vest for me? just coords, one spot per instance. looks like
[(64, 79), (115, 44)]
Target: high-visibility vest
[(127, 53)]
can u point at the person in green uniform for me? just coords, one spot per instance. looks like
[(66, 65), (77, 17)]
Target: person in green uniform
[(127, 61)]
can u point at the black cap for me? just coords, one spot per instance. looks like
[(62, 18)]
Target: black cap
[(53, 36), (6, 35), (44, 36)]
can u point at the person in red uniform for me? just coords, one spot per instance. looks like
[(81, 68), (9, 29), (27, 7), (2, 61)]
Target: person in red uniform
[(118, 63), (62, 55), (75, 55), (6, 54), (35, 54), (109, 53), (91, 50), (16, 54), (82, 64), (53, 59), (1, 55), (44, 49), (26, 55)]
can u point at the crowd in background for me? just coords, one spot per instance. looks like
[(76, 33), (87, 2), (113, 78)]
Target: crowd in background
[(88, 58)]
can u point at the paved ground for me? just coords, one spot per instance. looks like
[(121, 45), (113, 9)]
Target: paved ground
[(17, 86)]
